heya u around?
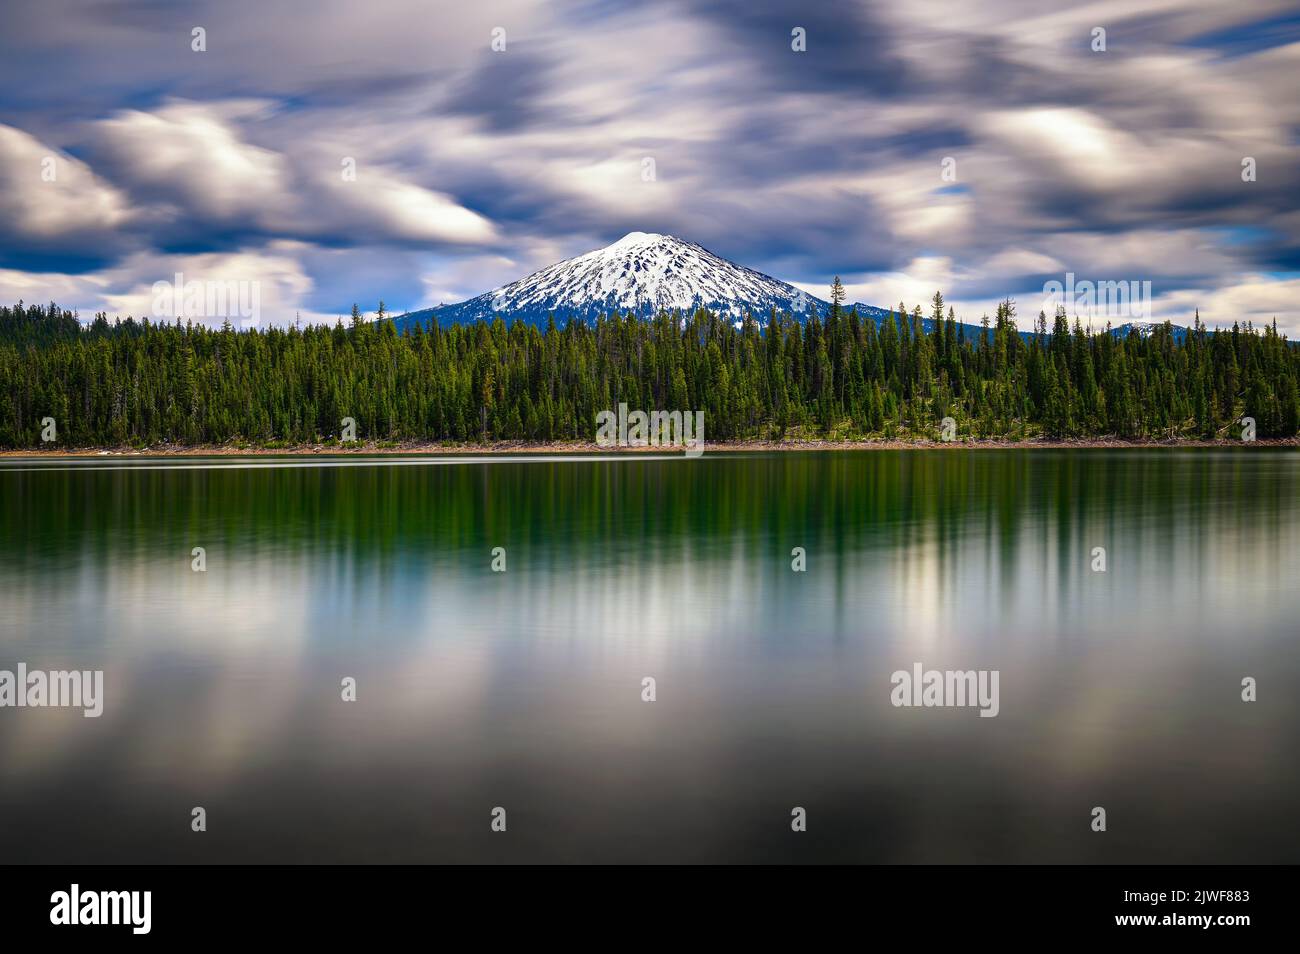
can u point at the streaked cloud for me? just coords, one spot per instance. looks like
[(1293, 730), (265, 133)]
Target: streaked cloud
[(476, 167), (53, 204)]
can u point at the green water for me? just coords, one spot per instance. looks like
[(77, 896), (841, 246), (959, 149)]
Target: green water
[(523, 689)]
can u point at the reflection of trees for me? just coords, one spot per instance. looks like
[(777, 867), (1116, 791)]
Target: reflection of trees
[(841, 502)]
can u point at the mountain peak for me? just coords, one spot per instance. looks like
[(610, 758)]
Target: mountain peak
[(647, 273), (638, 239), (643, 272)]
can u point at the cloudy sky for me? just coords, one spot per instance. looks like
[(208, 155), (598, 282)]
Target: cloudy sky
[(476, 166)]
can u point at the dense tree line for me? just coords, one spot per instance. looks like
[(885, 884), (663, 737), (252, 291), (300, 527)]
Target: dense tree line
[(838, 375)]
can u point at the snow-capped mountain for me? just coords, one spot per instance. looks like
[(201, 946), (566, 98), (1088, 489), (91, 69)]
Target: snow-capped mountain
[(646, 273), (642, 272), (1146, 329)]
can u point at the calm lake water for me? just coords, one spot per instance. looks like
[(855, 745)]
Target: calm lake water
[(523, 689)]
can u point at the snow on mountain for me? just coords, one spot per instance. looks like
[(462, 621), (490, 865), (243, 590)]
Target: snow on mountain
[(1146, 329), (643, 272), (646, 273)]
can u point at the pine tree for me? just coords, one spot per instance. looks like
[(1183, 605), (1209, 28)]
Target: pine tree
[(837, 298)]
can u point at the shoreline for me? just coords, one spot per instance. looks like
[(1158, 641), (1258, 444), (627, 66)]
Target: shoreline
[(421, 448)]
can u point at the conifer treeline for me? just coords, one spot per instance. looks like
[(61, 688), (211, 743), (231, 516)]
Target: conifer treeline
[(841, 376)]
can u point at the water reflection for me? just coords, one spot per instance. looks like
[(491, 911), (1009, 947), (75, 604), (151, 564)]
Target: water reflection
[(523, 689)]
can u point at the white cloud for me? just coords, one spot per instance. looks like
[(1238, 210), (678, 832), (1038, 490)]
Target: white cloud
[(1253, 297), (74, 204), (192, 158), (1122, 165), (189, 155), (273, 279), (381, 206), (913, 285)]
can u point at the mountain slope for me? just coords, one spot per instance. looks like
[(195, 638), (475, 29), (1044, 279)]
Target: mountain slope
[(642, 272), (646, 273)]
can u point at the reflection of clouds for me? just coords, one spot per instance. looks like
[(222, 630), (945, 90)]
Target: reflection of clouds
[(226, 655), (921, 611), (217, 676), (152, 625), (239, 606), (1144, 710), (1213, 570), (34, 742)]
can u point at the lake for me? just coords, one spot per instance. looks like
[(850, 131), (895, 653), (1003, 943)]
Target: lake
[(522, 686)]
